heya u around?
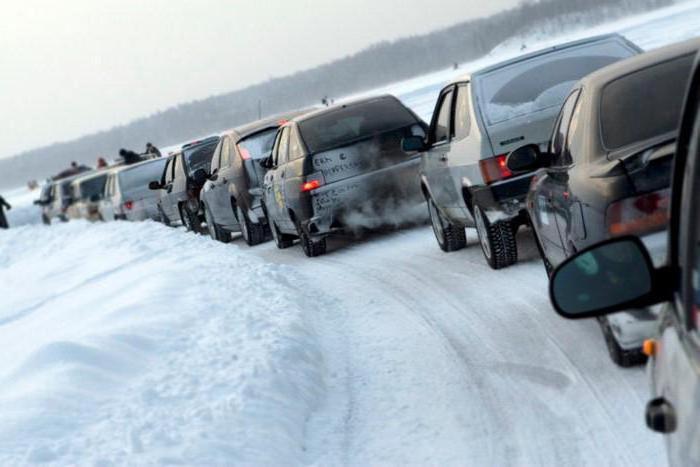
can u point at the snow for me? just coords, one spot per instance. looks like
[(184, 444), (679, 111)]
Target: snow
[(138, 344)]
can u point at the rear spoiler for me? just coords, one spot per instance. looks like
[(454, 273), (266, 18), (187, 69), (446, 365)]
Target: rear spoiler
[(635, 161)]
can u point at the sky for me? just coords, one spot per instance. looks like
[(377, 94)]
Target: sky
[(74, 67)]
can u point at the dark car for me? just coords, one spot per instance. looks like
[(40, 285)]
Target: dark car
[(618, 274), (183, 177), (335, 168), (608, 169), (478, 120), (44, 201), (232, 197)]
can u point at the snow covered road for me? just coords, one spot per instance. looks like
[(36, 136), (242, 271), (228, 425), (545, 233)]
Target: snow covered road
[(139, 344)]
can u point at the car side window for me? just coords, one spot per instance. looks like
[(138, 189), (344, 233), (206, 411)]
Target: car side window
[(283, 149), (559, 137), (462, 121), (168, 172), (296, 149), (440, 130)]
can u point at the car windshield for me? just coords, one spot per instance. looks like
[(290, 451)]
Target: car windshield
[(199, 157), (139, 177), (655, 114), (93, 187), (543, 81), (258, 145), (344, 125)]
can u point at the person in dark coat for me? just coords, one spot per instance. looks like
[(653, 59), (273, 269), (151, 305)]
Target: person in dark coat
[(130, 157), (3, 219), (152, 150)]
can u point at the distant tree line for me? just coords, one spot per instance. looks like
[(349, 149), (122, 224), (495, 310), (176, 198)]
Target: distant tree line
[(380, 64)]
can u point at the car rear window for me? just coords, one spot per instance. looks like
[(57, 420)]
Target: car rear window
[(543, 81), (138, 178), (258, 145), (344, 125), (645, 104), (199, 157), (93, 186)]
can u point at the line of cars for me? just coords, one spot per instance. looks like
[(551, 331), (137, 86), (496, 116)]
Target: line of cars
[(575, 142)]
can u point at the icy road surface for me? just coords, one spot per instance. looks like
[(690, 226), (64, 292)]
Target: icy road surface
[(138, 344)]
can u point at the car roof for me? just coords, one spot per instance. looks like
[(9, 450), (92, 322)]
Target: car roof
[(343, 105), (124, 168), (610, 73), (89, 176), (541, 52), (267, 122)]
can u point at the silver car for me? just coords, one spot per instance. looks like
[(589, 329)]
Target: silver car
[(87, 192), (127, 196), (478, 120)]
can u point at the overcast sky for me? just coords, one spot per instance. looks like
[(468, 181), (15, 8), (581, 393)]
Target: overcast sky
[(72, 67)]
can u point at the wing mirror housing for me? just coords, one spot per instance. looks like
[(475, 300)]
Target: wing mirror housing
[(95, 198), (200, 176), (526, 159), (413, 144), (155, 185), (266, 163), (609, 277)]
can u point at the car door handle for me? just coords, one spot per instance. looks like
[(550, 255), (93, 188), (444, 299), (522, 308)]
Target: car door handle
[(661, 416)]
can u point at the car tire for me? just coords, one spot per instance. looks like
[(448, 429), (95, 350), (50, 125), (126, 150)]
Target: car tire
[(215, 232), (497, 240), (281, 240), (190, 220), (449, 237), (253, 234), (312, 248), (621, 357)]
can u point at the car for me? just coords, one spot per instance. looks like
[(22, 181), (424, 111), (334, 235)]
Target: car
[(339, 168), (618, 274), (478, 120), (61, 197), (87, 192), (232, 197), (44, 200), (127, 196), (182, 179), (605, 174)]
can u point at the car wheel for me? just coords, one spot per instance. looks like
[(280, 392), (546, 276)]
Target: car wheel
[(281, 240), (215, 232), (190, 220), (253, 234), (497, 240), (449, 236), (621, 357), (312, 248)]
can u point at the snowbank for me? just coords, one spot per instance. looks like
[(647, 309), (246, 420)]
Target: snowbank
[(23, 210), (138, 344)]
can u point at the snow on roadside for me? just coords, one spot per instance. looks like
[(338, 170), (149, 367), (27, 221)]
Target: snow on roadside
[(23, 211), (135, 343)]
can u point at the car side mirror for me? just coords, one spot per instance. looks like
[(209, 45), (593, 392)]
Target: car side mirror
[(94, 198), (200, 176), (525, 159), (214, 176), (413, 144), (266, 163), (612, 276), (38, 202), (154, 185)]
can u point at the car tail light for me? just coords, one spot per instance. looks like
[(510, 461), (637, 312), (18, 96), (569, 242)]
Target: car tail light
[(129, 205), (245, 154), (639, 214), (310, 185), (495, 169)]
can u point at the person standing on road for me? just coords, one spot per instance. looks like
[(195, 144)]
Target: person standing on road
[(152, 150), (3, 219)]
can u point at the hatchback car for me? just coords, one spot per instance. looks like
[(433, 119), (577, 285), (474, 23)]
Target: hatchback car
[(182, 179), (606, 174), (478, 120), (618, 274), (127, 196), (232, 197), (333, 166)]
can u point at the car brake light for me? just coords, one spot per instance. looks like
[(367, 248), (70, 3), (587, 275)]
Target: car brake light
[(129, 205), (245, 154), (639, 214), (495, 169), (310, 185)]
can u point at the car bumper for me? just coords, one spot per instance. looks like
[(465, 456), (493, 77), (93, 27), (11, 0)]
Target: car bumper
[(503, 200)]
